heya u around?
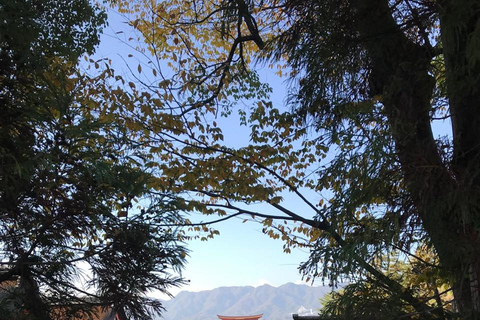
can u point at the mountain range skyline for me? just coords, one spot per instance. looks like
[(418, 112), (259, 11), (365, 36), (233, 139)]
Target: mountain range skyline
[(277, 303)]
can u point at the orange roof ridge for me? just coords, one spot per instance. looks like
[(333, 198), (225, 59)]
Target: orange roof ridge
[(252, 317)]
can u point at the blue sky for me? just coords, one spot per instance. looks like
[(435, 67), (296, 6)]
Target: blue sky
[(241, 255)]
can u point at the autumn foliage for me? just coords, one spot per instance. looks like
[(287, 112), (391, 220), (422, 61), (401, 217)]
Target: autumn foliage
[(385, 203)]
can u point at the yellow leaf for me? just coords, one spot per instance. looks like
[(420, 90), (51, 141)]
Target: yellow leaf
[(135, 23)]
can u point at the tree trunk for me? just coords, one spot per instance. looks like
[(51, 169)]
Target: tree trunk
[(459, 25), (446, 200)]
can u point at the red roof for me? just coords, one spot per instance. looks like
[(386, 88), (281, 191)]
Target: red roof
[(253, 317)]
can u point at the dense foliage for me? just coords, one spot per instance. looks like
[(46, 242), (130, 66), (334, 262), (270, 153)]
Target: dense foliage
[(71, 236), (368, 81), (371, 192)]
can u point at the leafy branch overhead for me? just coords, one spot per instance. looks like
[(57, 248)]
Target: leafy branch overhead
[(354, 147), (349, 168), (72, 239)]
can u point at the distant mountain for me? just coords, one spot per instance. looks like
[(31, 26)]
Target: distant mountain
[(275, 303)]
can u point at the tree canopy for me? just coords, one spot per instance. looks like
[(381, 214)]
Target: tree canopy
[(368, 81), (385, 203), (71, 235)]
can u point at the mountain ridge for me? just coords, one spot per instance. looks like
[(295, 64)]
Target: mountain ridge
[(275, 303)]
